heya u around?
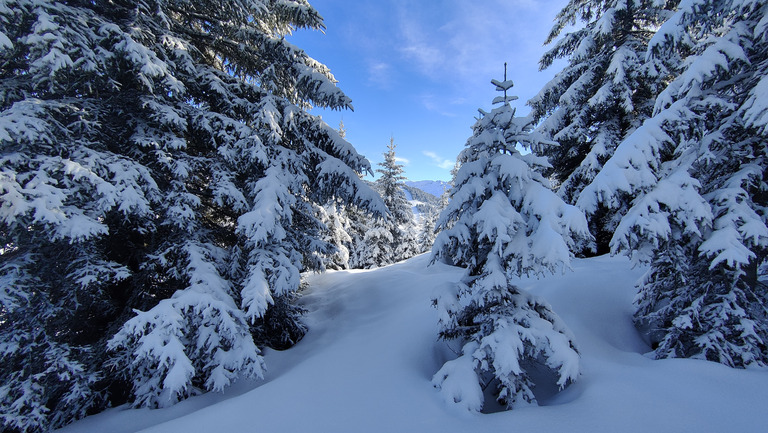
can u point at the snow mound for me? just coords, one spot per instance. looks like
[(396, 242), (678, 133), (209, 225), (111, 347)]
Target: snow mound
[(367, 363)]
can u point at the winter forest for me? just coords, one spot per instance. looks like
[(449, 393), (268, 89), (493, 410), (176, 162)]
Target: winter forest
[(175, 222)]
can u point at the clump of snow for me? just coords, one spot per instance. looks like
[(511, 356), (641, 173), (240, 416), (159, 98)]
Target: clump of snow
[(367, 362)]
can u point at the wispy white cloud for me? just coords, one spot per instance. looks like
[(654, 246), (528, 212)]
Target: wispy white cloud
[(380, 74), (402, 160), (439, 161), (418, 42), (438, 104), (464, 44)]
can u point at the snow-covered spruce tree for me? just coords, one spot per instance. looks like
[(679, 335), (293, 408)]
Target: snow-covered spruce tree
[(389, 239), (360, 223), (604, 93), (337, 224), (155, 156), (376, 247), (698, 170), (427, 234), (400, 222), (409, 241), (348, 228), (391, 185), (503, 222)]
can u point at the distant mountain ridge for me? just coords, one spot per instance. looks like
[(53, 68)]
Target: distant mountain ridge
[(423, 202), (434, 187)]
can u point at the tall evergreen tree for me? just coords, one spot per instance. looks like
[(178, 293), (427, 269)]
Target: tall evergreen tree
[(400, 221), (698, 171), (604, 93), (503, 221), (427, 234), (391, 185), (155, 156)]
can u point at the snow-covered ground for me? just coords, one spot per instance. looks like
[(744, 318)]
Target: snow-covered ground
[(414, 204), (366, 366)]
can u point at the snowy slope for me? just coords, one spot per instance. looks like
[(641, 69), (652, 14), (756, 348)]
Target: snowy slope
[(434, 187), (413, 202), (367, 362), (421, 202)]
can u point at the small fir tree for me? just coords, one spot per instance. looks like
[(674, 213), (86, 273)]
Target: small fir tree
[(408, 246), (427, 234), (503, 221), (399, 224)]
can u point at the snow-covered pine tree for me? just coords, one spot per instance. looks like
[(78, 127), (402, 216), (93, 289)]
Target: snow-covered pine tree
[(427, 234), (360, 223), (721, 314), (408, 244), (391, 185), (604, 93), (349, 225), (337, 225), (377, 245), (401, 216), (503, 221), (156, 156), (698, 170)]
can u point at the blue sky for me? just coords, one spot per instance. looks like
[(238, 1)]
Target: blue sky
[(419, 70)]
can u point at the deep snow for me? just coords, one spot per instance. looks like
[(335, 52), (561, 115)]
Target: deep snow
[(367, 363)]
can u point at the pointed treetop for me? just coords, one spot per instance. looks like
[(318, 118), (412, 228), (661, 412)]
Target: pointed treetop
[(503, 86)]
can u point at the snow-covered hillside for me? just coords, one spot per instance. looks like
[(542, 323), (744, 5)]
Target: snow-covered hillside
[(421, 201), (367, 363), (434, 187)]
